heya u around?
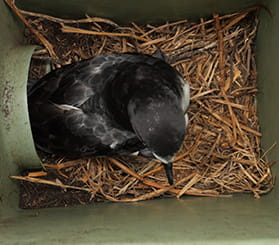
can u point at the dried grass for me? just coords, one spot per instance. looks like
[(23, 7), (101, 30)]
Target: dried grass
[(221, 153)]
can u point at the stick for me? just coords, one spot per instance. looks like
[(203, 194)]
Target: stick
[(70, 29), (48, 182), (220, 49), (88, 19)]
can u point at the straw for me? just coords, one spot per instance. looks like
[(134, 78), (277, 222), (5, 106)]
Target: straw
[(221, 153)]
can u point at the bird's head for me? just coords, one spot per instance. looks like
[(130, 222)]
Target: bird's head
[(160, 125)]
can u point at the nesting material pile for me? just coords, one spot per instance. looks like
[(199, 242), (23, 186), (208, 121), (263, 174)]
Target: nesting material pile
[(221, 152)]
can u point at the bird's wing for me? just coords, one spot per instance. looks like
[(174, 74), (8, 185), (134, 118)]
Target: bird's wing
[(185, 96), (66, 129), (70, 85), (73, 84)]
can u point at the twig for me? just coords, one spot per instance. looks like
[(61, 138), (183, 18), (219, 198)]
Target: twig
[(88, 19), (37, 174), (48, 182), (220, 49), (70, 29)]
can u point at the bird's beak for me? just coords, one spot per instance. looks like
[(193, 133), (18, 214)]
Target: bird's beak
[(169, 173)]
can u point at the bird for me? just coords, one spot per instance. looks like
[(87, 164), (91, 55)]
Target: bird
[(111, 105)]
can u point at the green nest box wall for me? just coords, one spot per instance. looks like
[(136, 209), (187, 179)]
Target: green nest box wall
[(238, 220)]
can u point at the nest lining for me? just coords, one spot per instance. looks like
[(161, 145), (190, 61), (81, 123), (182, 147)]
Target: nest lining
[(221, 153)]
